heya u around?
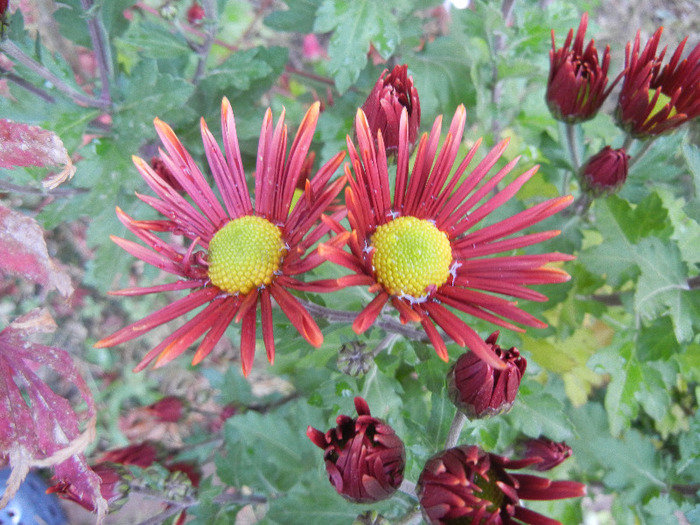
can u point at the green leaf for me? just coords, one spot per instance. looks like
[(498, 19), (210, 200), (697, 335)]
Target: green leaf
[(267, 451), (691, 154), (538, 413), (152, 40), (662, 288), (317, 502), (440, 71), (243, 79), (298, 17), (147, 94), (629, 463), (356, 24), (626, 378), (615, 257)]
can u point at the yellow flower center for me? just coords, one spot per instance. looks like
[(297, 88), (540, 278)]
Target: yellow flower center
[(245, 254), (660, 104), (411, 256)]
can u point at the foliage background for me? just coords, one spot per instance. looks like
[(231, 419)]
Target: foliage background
[(616, 374)]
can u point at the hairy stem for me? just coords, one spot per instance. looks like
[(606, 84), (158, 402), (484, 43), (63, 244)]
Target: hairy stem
[(9, 47), (455, 430), (387, 323), (210, 18), (103, 54)]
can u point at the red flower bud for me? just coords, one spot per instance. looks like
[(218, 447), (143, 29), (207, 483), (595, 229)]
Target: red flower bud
[(576, 85), (364, 457), (195, 14), (164, 172), (605, 172), (467, 485), (141, 455), (550, 453), (168, 410), (385, 103), (655, 100), (479, 390)]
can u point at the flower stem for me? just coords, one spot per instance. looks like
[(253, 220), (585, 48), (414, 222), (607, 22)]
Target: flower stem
[(210, 17), (573, 147), (645, 149), (11, 49), (103, 55), (408, 488), (412, 518), (455, 429), (386, 323)]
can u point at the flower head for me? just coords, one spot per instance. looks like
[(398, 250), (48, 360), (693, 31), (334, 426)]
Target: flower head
[(656, 99), (239, 254), (605, 172), (423, 251), (384, 105), (577, 80), (195, 14), (550, 453), (481, 391), (467, 485), (364, 457)]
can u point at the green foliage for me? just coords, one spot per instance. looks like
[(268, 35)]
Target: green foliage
[(356, 25)]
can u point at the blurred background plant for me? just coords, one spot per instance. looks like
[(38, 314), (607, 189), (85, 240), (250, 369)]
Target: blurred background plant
[(616, 374)]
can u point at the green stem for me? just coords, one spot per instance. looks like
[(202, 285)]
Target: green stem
[(455, 430), (645, 149), (100, 46), (573, 147), (9, 47), (412, 518)]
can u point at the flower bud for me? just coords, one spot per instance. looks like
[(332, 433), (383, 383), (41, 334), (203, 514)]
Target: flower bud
[(355, 359), (385, 103), (605, 172), (3, 18), (167, 410), (480, 391), (195, 14), (550, 453), (467, 485), (656, 98), (164, 173), (141, 455), (577, 81), (364, 458)]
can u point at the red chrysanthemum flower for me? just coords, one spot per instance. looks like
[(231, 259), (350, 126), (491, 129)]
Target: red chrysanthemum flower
[(577, 80), (423, 251), (655, 100), (467, 485), (240, 255)]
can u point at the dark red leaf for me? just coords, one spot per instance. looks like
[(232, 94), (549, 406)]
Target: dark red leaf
[(39, 427), (24, 253)]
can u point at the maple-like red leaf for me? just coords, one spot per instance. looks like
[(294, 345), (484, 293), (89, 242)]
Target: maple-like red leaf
[(24, 253), (40, 428), (25, 145)]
